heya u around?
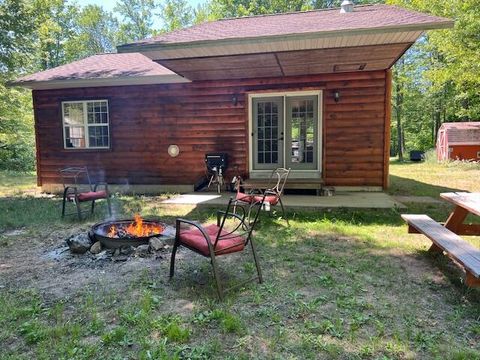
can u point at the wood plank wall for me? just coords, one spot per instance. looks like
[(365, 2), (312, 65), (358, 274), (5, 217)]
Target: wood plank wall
[(200, 117)]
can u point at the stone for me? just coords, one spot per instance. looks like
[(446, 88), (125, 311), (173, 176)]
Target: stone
[(142, 250), (96, 248), (116, 252), (156, 244), (102, 256), (80, 243), (127, 250), (120, 258)]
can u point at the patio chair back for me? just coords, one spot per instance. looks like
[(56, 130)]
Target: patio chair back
[(246, 214), (76, 176), (278, 179), (78, 188)]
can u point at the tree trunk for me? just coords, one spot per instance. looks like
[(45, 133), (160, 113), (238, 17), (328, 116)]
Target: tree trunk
[(398, 114)]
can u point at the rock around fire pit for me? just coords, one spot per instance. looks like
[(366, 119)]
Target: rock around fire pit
[(121, 239)]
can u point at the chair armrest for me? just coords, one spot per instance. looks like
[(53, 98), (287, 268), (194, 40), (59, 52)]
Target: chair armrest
[(271, 192), (229, 214), (70, 189), (104, 184)]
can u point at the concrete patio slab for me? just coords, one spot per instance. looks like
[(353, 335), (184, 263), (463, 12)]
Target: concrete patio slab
[(365, 200)]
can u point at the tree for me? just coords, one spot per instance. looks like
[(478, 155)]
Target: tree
[(15, 34), (95, 33), (235, 8), (176, 14), (137, 19), (54, 25)]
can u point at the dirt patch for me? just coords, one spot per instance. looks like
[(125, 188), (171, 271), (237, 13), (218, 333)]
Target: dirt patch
[(44, 263)]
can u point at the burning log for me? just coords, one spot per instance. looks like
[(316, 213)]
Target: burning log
[(137, 228)]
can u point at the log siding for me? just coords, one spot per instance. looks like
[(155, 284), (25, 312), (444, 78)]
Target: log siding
[(201, 117)]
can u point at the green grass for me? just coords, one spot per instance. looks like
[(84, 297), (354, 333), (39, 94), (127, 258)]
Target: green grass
[(339, 284), (431, 178)]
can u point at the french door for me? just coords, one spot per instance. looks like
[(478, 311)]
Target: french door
[(285, 132)]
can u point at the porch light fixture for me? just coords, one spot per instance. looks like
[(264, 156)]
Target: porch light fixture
[(234, 100), (336, 96), (173, 150)]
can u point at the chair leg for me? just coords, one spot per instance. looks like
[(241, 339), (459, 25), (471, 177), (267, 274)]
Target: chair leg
[(93, 207), (217, 277), (257, 264), (79, 209), (64, 203), (172, 259), (283, 211), (109, 205)]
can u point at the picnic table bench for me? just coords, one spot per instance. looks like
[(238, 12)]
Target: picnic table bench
[(445, 237)]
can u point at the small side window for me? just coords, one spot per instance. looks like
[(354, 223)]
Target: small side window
[(86, 124)]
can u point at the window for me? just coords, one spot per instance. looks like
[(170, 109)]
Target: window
[(86, 124)]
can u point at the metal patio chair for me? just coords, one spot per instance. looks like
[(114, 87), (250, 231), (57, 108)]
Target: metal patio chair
[(215, 240), (272, 193), (78, 188)]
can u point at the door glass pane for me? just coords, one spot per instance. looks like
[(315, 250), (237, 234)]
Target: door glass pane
[(267, 132), (302, 131)]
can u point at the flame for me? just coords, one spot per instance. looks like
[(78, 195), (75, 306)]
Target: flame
[(137, 228), (112, 231)]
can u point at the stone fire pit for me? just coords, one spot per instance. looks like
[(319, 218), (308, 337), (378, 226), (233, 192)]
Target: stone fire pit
[(121, 239)]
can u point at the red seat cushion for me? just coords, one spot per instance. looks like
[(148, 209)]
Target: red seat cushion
[(193, 238), (91, 195), (272, 199), (244, 197)]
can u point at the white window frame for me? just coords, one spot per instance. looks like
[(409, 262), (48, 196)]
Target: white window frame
[(255, 173), (86, 125)]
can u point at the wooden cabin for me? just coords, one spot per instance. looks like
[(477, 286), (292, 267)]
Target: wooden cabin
[(459, 141), (307, 90)]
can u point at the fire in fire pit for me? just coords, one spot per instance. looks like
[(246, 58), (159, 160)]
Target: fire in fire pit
[(118, 233), (137, 228)]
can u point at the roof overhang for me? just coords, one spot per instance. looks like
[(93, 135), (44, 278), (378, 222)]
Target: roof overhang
[(100, 82), (300, 41)]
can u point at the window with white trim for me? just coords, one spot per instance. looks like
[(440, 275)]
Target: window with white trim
[(86, 124)]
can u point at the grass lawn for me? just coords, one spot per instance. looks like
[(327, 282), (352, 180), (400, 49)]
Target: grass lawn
[(346, 284)]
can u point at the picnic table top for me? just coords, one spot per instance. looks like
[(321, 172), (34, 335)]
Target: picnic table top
[(468, 201)]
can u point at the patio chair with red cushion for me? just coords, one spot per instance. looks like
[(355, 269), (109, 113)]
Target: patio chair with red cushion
[(273, 191), (216, 240), (78, 188)]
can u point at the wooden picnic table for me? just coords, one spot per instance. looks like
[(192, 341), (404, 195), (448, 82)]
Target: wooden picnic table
[(465, 203), (445, 238)]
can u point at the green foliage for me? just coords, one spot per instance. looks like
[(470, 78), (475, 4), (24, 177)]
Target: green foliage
[(176, 14), (137, 19), (15, 29), (96, 33), (17, 147), (441, 79)]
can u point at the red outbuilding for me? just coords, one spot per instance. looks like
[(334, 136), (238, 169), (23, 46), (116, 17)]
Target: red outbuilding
[(459, 141)]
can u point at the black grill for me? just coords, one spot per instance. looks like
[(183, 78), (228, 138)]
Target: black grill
[(216, 162)]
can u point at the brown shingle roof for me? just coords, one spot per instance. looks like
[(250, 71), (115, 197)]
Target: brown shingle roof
[(326, 20), (462, 133), (104, 66)]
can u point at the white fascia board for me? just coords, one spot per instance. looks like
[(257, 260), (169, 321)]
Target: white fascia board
[(81, 83), (149, 48)]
